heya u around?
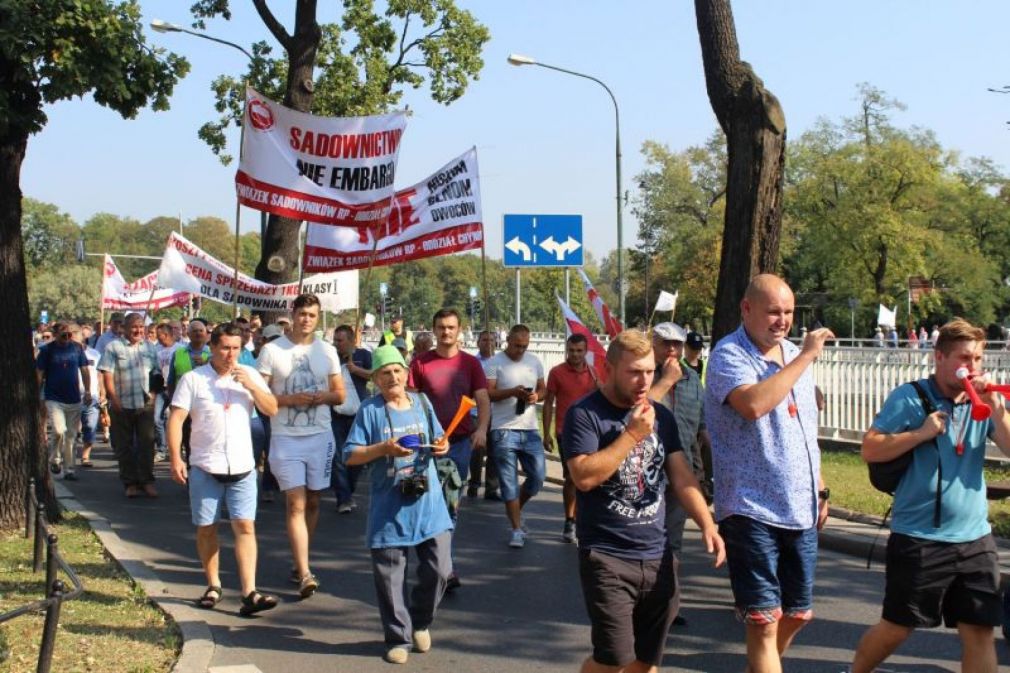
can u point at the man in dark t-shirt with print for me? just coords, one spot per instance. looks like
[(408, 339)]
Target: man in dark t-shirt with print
[(621, 450)]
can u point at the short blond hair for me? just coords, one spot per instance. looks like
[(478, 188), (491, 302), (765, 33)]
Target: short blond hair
[(631, 341), (956, 330)]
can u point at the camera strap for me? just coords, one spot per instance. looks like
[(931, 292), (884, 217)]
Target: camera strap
[(414, 403)]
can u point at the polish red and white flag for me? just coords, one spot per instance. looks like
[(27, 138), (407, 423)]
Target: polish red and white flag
[(611, 325), (596, 355)]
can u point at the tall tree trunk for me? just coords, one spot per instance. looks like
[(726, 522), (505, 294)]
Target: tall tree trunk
[(755, 128), (279, 261), (20, 429)]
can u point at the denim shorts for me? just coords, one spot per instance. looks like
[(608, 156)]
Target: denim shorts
[(206, 494), (89, 421), (771, 569), (519, 447)]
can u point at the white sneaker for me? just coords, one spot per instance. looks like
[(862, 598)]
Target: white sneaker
[(518, 539), (397, 655), (422, 640)]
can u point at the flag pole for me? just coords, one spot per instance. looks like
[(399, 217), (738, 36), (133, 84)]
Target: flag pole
[(368, 278), (483, 278), (101, 304)]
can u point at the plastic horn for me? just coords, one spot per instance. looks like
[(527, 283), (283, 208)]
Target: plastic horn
[(1003, 388), (465, 405), (980, 411)]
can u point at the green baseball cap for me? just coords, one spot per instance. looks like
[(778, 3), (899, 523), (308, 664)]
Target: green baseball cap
[(386, 355)]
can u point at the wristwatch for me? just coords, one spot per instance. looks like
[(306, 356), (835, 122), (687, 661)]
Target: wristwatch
[(824, 494)]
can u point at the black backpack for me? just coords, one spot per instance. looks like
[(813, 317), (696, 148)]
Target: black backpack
[(887, 475)]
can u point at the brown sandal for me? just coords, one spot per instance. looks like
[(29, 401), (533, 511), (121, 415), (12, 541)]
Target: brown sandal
[(208, 601), (256, 602)]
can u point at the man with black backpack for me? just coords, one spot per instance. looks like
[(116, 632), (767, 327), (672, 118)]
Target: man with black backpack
[(941, 556)]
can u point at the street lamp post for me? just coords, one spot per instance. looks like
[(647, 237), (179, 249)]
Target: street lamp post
[(164, 27), (519, 59)]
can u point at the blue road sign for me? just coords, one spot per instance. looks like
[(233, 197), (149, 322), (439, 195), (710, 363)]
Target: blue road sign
[(542, 240)]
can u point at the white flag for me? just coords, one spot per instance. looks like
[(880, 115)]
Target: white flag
[(666, 301), (886, 316)]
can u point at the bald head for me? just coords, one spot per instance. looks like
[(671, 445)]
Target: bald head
[(765, 285), (767, 309)]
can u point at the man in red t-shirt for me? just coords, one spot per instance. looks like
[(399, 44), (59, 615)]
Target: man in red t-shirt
[(567, 383), (445, 374)]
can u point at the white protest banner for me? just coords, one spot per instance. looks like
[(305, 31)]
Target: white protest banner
[(438, 216), (117, 294), (188, 267), (335, 170)]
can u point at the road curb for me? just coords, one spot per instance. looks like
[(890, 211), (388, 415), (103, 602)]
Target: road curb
[(197, 639)]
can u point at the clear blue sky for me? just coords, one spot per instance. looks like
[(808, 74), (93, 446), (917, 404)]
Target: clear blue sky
[(546, 140)]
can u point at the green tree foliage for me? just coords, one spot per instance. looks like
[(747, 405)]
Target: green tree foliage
[(50, 51), (680, 206), (870, 205), (73, 293), (867, 205), (49, 235)]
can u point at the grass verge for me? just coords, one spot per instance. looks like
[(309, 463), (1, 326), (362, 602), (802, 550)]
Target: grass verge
[(846, 474), (110, 628)]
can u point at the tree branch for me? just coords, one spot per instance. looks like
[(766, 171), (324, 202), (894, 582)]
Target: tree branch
[(399, 63), (275, 26)]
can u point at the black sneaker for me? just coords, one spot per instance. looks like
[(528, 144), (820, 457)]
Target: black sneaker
[(492, 495), (70, 476), (453, 582), (55, 468)]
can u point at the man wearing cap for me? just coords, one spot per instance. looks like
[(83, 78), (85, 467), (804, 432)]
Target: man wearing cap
[(770, 499), (694, 344), (406, 507), (398, 331), (678, 388), (304, 374)]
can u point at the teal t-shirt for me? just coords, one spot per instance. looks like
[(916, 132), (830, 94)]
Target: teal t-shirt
[(964, 510), (395, 519)]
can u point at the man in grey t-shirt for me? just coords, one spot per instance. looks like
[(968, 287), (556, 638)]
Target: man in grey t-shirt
[(515, 385)]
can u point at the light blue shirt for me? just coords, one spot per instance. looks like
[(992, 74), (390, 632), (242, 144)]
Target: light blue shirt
[(767, 469), (395, 519), (963, 509)]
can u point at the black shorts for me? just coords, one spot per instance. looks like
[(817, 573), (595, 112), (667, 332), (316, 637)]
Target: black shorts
[(563, 457), (631, 605), (927, 580)]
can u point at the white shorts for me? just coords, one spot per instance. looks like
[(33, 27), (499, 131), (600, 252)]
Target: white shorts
[(305, 460)]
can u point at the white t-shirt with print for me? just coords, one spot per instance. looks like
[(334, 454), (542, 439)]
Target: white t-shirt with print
[(507, 373), (302, 368)]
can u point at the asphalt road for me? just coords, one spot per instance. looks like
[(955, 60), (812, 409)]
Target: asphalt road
[(518, 610)]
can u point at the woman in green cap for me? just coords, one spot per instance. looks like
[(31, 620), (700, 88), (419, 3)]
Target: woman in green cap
[(397, 430)]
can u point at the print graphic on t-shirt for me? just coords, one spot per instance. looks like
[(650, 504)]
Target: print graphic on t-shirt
[(301, 380), (636, 489)]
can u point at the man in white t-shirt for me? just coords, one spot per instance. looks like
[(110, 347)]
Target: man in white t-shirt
[(219, 398), (304, 373), (515, 381)]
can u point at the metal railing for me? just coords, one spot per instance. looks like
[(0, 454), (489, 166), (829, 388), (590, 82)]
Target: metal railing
[(36, 524)]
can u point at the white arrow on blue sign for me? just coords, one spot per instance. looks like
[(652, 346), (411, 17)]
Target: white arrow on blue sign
[(542, 240)]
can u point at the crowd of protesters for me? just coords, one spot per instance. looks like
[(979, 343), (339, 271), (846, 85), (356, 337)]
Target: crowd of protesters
[(656, 433)]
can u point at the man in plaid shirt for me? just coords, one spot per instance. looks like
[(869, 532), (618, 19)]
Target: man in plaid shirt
[(126, 367)]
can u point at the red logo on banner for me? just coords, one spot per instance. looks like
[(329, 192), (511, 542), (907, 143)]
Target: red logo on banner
[(260, 115)]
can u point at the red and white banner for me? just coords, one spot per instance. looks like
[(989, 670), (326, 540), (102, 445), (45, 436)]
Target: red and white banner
[(117, 294), (438, 216), (334, 170), (596, 356), (611, 325), (186, 266)]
